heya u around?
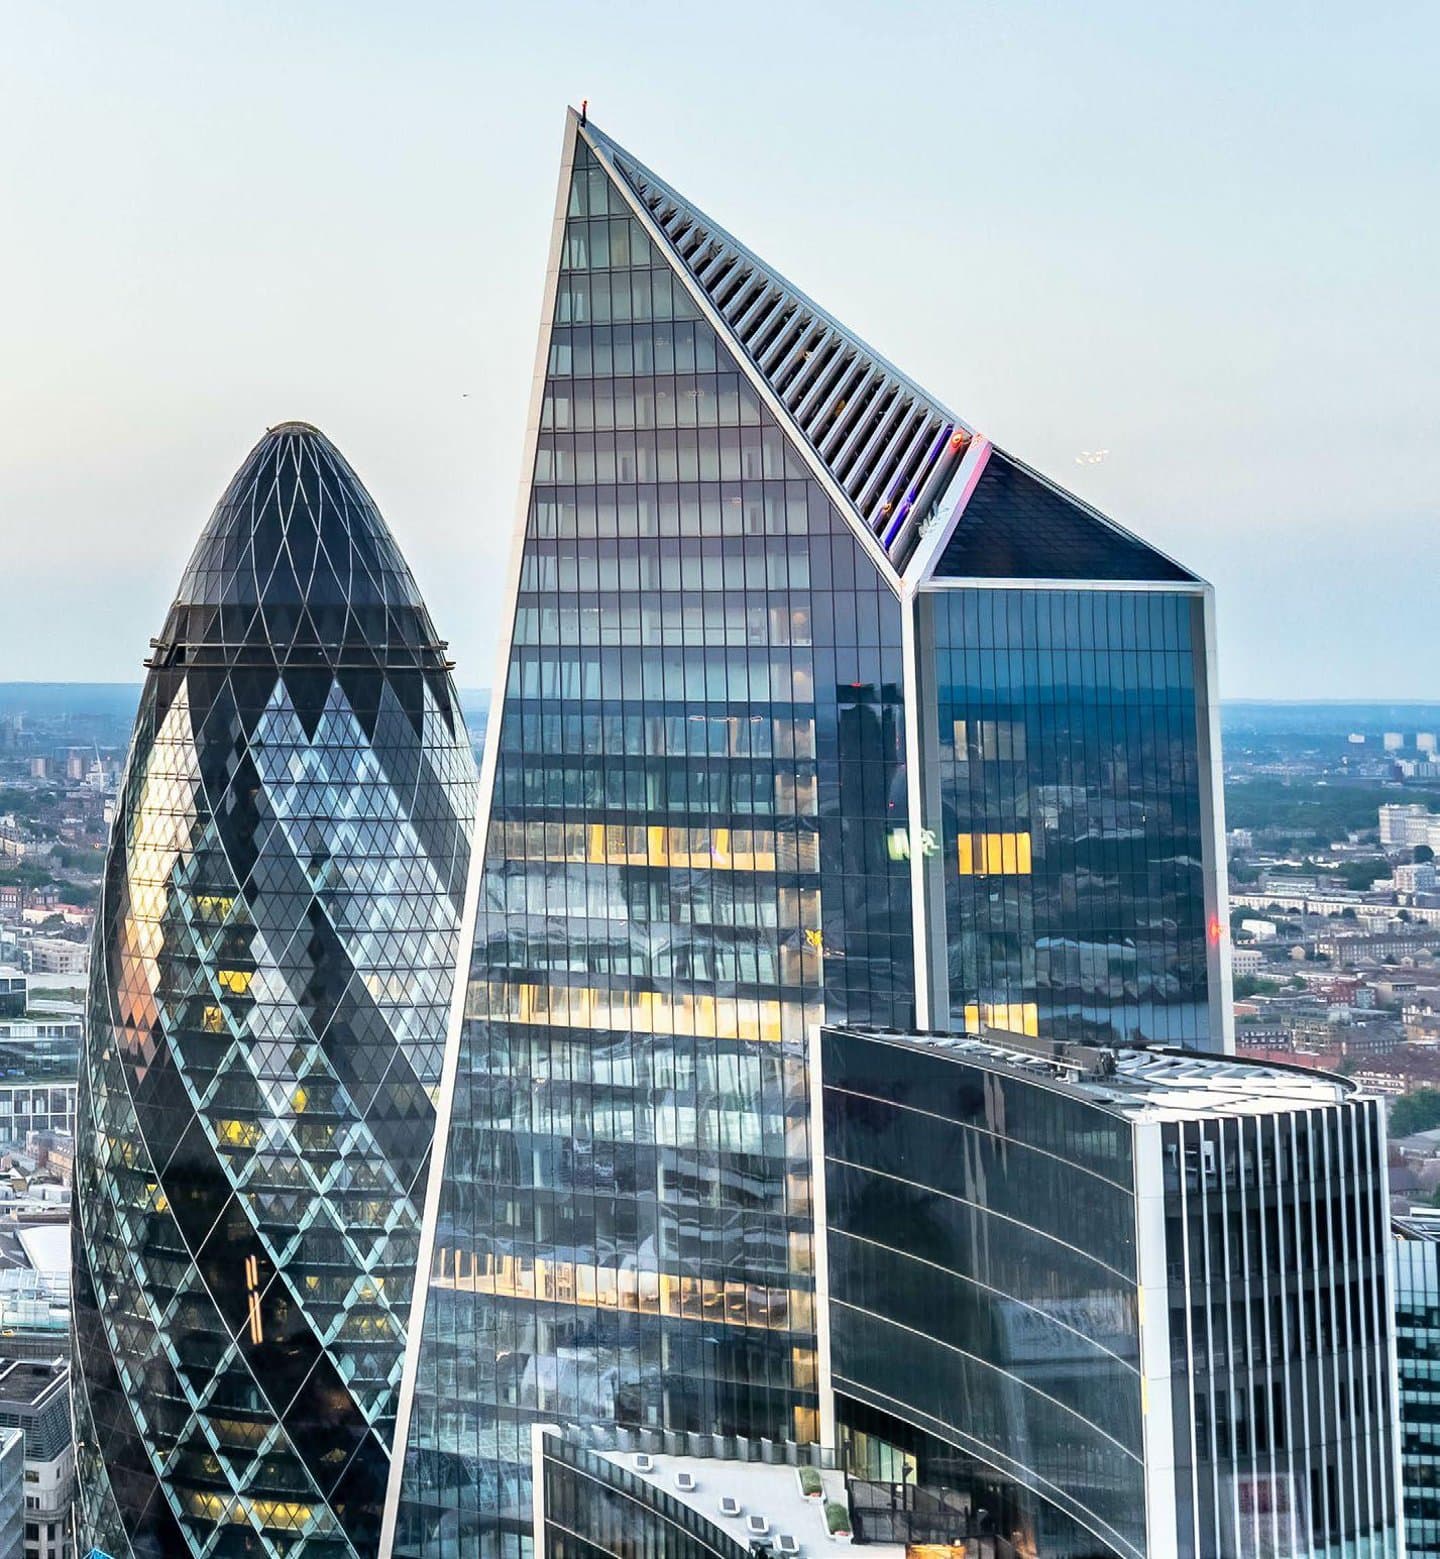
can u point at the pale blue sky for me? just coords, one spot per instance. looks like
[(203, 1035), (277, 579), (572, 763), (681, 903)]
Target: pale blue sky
[(1201, 237)]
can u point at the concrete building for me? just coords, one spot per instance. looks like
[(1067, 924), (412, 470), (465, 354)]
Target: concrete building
[(1406, 824), (55, 955)]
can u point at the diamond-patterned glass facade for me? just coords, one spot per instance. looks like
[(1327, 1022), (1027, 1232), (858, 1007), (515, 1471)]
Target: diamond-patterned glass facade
[(270, 989)]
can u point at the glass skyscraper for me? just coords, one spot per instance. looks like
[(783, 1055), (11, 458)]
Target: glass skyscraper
[(814, 706), (1147, 1289), (1417, 1348), (271, 982)]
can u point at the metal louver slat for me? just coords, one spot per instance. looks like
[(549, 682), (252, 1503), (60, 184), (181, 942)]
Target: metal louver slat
[(877, 397), (772, 332), (790, 332), (716, 262), (846, 411), (873, 435), (883, 461), (761, 303), (771, 321), (869, 465), (827, 362), (792, 365), (896, 466)]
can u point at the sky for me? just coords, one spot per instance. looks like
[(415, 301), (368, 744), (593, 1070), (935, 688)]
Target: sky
[(1199, 238)]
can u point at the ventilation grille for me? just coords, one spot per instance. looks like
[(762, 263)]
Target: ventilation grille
[(888, 446)]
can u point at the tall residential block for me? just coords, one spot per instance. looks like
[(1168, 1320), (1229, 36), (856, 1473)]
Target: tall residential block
[(270, 986), (813, 706)]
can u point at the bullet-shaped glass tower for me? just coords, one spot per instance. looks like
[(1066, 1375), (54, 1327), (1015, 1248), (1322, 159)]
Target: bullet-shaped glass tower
[(271, 981)]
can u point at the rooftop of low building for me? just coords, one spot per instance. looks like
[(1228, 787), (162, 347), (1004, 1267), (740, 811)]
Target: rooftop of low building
[(1154, 1082)]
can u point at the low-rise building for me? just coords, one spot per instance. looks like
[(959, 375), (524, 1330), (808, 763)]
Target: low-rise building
[(35, 1398), (55, 955)]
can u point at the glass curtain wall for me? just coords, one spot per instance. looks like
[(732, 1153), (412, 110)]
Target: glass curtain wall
[(983, 1274), (1070, 788), (1417, 1346), (700, 762)]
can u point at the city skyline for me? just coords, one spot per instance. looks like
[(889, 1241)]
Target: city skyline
[(1217, 331)]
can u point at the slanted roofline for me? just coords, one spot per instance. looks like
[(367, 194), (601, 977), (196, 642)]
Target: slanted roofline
[(890, 452)]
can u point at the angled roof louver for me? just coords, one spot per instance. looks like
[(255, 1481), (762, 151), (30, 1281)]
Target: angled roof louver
[(887, 445)]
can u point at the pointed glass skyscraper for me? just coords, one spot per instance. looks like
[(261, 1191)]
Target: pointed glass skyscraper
[(813, 706), (271, 982)]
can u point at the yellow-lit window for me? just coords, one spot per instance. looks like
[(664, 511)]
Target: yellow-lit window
[(1015, 1017), (994, 855)]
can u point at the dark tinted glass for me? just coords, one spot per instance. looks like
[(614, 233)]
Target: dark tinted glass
[(982, 1270), (1074, 840), (1017, 527)]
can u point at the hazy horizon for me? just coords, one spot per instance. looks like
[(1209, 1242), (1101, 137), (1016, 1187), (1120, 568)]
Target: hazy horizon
[(1200, 240)]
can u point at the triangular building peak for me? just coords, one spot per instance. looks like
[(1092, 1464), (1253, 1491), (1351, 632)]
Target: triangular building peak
[(886, 447)]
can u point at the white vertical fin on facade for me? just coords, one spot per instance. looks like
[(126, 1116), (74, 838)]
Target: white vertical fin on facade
[(1152, 1293), (823, 1371)]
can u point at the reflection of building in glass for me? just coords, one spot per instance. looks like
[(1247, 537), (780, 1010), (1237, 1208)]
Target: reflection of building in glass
[(1137, 1298), (1417, 1348), (814, 707), (271, 982)]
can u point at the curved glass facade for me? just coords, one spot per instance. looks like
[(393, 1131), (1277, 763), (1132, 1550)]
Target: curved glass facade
[(983, 1278), (270, 987), (594, 1509)]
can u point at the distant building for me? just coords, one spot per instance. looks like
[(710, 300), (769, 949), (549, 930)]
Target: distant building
[(35, 1398), (1415, 877), (1406, 824), (54, 955), (1378, 948), (28, 1105), (12, 1494), (1425, 742), (40, 1048), (1246, 961), (14, 992)]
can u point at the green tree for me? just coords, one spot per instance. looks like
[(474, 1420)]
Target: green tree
[(1418, 1111)]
